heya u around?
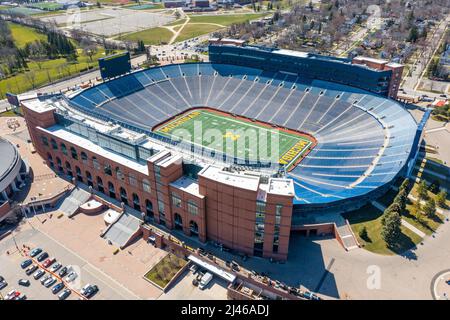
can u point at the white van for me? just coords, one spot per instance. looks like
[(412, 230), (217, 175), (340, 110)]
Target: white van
[(205, 280)]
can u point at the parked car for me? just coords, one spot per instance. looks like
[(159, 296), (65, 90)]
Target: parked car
[(45, 278), (55, 267), (42, 257), (24, 282), (311, 296), (206, 279), (89, 290), (3, 283), (63, 271), (38, 274), (12, 295), (47, 263), (63, 295), (71, 276), (31, 269), (22, 297), (58, 287), (26, 263), (35, 252), (50, 281)]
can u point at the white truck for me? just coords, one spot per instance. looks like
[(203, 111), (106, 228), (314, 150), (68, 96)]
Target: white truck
[(207, 277)]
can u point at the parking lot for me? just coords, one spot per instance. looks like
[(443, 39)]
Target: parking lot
[(12, 271)]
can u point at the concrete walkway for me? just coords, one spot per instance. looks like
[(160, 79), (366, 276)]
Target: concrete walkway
[(405, 223), (413, 229), (422, 202)]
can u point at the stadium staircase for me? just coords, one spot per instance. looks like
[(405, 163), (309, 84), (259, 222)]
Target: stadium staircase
[(121, 232), (70, 204), (347, 237)]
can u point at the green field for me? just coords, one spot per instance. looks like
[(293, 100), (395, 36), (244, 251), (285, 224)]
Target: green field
[(236, 137), (225, 20), (194, 30), (50, 6), (152, 36), (22, 34), (39, 74)]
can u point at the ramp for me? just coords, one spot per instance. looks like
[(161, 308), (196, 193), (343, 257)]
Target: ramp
[(123, 229), (70, 204)]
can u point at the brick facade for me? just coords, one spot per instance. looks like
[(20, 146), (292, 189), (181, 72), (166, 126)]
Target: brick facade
[(223, 213)]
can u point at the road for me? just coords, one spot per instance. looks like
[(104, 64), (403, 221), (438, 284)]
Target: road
[(61, 85), (411, 83)]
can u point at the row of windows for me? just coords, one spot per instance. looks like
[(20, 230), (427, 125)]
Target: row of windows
[(192, 207), (107, 169)]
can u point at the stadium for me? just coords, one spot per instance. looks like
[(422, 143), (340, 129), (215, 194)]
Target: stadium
[(340, 139), (12, 172)]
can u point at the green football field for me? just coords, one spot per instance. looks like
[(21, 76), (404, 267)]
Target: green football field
[(236, 137)]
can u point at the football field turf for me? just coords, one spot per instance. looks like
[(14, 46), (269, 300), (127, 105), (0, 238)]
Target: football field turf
[(236, 137)]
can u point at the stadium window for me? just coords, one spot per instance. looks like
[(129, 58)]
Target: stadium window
[(161, 208), (63, 148), (79, 176), (278, 209), (123, 195), (74, 153), (136, 202), (176, 200), (132, 179), (95, 163), (192, 207), (107, 169), (54, 144), (84, 157), (119, 174), (44, 140), (146, 186)]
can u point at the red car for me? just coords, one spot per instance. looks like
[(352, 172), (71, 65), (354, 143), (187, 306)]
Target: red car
[(47, 263)]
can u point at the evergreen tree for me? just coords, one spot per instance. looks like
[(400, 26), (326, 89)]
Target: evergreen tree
[(422, 190), (429, 209), (441, 199), (391, 229)]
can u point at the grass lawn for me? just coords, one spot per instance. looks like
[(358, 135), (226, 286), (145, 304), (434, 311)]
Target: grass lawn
[(421, 221), (195, 30), (152, 36), (165, 270), (176, 22), (22, 34), (225, 20), (9, 113), (50, 70), (370, 217)]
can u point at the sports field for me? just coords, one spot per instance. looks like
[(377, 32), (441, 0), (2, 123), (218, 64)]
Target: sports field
[(237, 137)]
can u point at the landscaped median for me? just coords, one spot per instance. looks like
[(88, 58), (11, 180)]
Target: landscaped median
[(371, 218), (166, 271)]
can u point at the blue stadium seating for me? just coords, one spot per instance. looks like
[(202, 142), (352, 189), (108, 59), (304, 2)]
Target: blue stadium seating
[(351, 125)]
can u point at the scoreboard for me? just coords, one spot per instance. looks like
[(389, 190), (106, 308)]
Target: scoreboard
[(114, 65)]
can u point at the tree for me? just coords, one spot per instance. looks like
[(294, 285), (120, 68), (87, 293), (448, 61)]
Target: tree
[(441, 199), (391, 229), (422, 190), (363, 234), (429, 209)]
